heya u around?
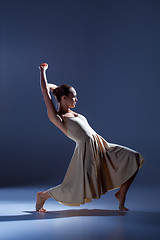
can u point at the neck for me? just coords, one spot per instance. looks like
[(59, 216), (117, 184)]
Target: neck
[(63, 110)]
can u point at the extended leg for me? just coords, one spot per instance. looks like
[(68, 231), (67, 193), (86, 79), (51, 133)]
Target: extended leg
[(121, 194), (41, 198)]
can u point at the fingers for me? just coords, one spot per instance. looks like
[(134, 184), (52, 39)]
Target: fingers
[(43, 66)]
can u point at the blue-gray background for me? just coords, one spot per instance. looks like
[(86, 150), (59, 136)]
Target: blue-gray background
[(109, 51)]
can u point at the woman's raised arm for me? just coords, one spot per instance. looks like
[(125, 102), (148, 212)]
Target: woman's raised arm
[(45, 88)]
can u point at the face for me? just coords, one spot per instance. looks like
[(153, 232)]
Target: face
[(72, 98)]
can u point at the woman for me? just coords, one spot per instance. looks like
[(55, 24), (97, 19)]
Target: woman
[(97, 166)]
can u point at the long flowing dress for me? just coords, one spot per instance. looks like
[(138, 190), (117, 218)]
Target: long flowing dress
[(96, 167)]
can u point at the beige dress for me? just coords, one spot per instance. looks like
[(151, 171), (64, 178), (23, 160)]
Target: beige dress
[(96, 167)]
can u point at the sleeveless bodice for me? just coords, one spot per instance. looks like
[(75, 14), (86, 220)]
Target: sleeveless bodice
[(78, 128)]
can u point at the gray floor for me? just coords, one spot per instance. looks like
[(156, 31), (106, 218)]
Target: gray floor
[(97, 220)]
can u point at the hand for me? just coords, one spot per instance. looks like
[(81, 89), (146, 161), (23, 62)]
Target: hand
[(43, 66)]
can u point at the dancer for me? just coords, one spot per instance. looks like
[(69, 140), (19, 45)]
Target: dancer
[(97, 166)]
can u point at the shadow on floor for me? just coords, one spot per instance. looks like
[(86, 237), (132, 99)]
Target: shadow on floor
[(34, 215), (152, 218)]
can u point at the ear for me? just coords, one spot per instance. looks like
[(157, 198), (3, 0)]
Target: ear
[(64, 97)]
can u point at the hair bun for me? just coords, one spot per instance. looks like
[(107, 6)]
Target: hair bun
[(61, 90), (56, 91)]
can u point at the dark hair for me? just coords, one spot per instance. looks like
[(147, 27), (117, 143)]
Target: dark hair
[(63, 89)]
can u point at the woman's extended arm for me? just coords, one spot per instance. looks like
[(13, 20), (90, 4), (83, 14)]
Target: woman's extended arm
[(51, 111)]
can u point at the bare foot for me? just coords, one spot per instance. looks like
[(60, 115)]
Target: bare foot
[(121, 198), (40, 202)]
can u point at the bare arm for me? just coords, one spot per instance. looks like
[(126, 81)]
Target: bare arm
[(51, 86), (51, 111)]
